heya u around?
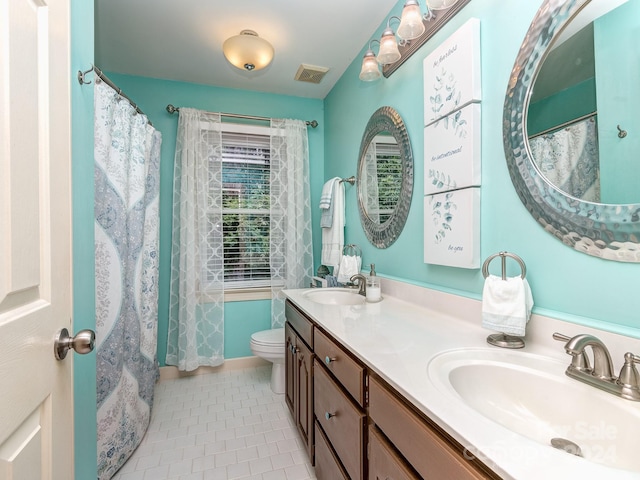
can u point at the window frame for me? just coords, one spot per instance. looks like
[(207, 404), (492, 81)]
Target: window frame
[(243, 290)]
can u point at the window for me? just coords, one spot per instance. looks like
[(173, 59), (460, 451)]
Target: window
[(388, 175), (246, 160)]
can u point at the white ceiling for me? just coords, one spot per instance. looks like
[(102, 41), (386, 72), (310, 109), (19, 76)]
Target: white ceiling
[(182, 40)]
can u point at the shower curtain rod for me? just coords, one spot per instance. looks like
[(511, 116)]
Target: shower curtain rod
[(565, 124), (171, 109), (106, 80)]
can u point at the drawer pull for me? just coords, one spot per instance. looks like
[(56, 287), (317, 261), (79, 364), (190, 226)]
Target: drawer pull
[(294, 349), (328, 415), (328, 359)]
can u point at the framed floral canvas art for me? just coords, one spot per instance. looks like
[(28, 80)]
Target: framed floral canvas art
[(452, 151), (452, 77), (452, 228)]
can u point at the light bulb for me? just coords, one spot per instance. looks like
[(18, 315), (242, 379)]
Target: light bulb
[(411, 25), (370, 70), (389, 52), (440, 4)]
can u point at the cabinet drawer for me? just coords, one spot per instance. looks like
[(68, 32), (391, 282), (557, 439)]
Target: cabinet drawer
[(327, 465), (299, 322), (384, 462), (348, 371), (433, 457), (341, 420)]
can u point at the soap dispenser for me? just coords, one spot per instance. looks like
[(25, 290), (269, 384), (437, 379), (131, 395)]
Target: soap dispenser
[(373, 286)]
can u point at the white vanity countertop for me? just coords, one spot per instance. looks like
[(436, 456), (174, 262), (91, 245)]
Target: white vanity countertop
[(397, 338)]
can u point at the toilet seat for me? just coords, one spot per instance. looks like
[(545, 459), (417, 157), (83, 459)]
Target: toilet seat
[(269, 338)]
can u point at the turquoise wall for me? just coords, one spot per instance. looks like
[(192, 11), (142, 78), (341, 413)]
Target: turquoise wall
[(241, 318), (618, 102), (566, 284), (84, 366), (564, 106)]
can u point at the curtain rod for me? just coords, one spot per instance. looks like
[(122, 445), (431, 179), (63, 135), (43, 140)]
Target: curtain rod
[(171, 109), (106, 80), (565, 124)]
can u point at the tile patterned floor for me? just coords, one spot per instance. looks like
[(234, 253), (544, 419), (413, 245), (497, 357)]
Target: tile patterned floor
[(220, 426)]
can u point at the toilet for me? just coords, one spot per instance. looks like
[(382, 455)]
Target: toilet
[(269, 344)]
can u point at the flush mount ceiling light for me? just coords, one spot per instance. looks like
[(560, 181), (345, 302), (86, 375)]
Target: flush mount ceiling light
[(248, 51)]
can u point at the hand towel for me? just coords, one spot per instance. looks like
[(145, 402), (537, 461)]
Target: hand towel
[(506, 305), (326, 202), (349, 266), (333, 237), (331, 281)]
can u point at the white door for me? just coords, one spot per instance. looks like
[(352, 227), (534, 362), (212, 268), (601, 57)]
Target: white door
[(36, 402)]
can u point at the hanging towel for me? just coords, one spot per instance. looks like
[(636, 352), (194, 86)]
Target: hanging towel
[(326, 202), (506, 305), (349, 266), (333, 237), (331, 281)]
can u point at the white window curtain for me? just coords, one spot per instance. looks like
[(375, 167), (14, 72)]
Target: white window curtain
[(196, 319), (291, 249)]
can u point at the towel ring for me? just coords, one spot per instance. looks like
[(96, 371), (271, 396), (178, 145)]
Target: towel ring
[(503, 255), (352, 249), (503, 340)]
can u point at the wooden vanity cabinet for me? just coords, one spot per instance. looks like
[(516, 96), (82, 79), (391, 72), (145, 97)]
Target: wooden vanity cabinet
[(299, 374), (363, 429), (433, 456)]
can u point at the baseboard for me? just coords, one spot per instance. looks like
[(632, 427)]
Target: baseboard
[(171, 373)]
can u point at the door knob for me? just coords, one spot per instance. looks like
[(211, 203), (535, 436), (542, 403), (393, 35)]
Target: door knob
[(83, 342)]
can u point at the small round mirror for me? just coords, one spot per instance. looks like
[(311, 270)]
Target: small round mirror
[(385, 177)]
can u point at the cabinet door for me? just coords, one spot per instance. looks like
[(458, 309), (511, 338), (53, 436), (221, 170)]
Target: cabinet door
[(327, 465), (428, 452), (384, 462), (304, 399), (290, 367), (342, 422)]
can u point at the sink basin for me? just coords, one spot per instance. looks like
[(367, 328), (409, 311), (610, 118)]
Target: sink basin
[(335, 296), (531, 396)]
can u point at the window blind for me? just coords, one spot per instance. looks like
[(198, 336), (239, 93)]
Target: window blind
[(246, 162), (389, 173)]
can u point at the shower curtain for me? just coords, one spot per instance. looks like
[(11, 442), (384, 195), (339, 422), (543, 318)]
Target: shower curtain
[(568, 158), (127, 158)]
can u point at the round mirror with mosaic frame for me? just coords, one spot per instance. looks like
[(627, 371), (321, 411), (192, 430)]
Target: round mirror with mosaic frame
[(385, 177), (609, 231)]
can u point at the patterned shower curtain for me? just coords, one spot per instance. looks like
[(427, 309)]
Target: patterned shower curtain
[(127, 159), (569, 159)]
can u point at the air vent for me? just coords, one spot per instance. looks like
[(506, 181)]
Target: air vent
[(310, 73)]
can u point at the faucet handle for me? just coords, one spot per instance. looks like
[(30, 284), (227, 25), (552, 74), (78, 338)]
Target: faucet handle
[(560, 337), (580, 361), (629, 376)]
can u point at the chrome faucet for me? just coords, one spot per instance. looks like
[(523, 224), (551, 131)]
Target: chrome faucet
[(362, 283), (602, 364), (601, 376)]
